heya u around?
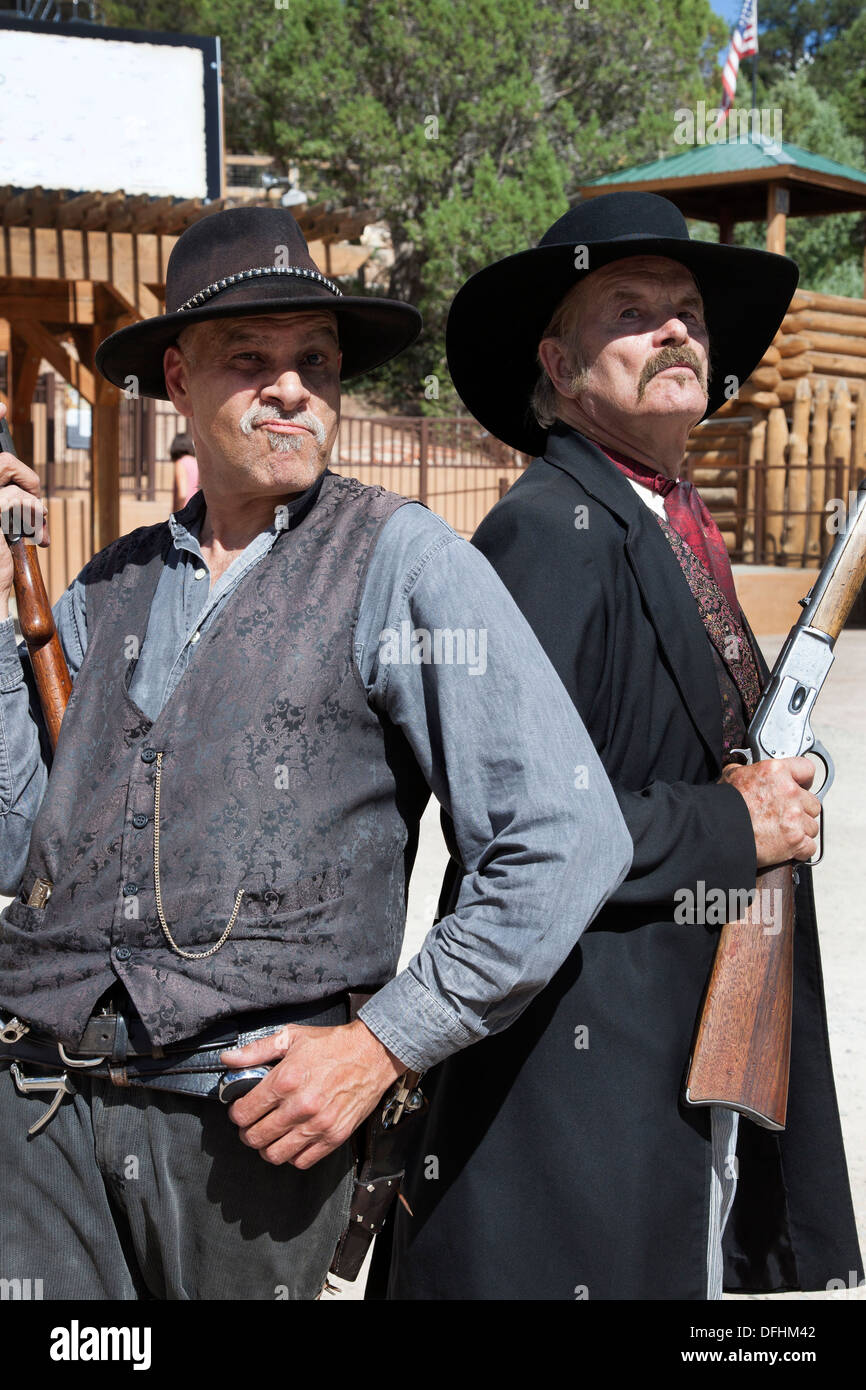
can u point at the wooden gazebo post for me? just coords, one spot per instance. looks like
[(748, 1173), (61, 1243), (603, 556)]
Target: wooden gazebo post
[(778, 207)]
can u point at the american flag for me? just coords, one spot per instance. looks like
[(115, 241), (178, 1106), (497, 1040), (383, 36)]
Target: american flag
[(744, 42)]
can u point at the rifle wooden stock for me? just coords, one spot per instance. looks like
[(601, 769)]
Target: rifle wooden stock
[(36, 620), (742, 1051), (831, 611), (37, 628)]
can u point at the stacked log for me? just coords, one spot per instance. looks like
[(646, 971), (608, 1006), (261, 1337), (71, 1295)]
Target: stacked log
[(823, 335), (715, 462), (805, 411)]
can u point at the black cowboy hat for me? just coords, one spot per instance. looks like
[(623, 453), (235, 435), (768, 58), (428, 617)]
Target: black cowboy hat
[(499, 316), (246, 261)]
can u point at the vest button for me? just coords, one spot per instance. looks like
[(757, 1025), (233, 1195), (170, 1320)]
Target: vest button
[(122, 953), (130, 889), (140, 820), (148, 755)]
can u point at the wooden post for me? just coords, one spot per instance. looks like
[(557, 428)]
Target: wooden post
[(105, 467), (424, 445), (840, 451), (778, 206), (105, 441), (798, 474), (858, 446), (148, 441), (23, 376), (817, 470), (50, 429), (726, 228), (752, 532), (777, 439)]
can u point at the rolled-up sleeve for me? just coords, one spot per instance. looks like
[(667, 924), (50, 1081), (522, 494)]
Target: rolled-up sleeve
[(536, 823)]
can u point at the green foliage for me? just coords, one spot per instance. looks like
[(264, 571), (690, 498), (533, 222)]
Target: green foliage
[(797, 30), (828, 250), (467, 127), (839, 71)]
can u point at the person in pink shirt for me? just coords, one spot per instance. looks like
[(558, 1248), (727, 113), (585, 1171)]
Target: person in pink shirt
[(185, 470)]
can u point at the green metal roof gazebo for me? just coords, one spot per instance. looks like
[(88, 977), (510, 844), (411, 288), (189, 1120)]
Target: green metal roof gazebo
[(747, 180)]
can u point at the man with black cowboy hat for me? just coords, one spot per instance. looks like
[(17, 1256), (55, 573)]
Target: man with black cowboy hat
[(223, 846), (568, 1166)]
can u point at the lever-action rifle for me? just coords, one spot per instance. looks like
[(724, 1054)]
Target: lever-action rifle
[(742, 1049), (36, 620)]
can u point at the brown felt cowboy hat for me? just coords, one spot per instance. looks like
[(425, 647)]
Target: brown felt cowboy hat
[(499, 316), (252, 261)]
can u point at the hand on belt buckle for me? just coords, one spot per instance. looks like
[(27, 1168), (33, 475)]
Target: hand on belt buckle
[(234, 1084)]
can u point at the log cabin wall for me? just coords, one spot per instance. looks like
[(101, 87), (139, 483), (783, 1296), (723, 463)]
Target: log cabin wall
[(778, 463)]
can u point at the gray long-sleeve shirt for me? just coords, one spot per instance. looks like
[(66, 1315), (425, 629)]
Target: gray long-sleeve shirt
[(445, 653)]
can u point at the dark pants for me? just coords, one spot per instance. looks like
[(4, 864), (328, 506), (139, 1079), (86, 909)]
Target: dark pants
[(136, 1194)]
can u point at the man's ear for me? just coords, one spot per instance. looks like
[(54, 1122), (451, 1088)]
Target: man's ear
[(557, 363), (174, 368)]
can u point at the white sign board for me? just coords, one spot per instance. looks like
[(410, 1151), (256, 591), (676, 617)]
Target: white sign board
[(89, 113)]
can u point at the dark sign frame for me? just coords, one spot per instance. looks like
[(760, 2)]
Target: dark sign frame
[(210, 48)]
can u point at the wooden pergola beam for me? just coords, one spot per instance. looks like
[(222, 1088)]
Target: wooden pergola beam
[(40, 340), (26, 361), (47, 301)]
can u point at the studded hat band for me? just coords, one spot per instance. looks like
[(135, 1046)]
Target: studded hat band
[(298, 272)]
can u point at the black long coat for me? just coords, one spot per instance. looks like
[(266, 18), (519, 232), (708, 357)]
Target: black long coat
[(559, 1161)]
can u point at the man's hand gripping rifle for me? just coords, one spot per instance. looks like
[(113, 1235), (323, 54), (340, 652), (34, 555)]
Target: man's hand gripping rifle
[(742, 1049)]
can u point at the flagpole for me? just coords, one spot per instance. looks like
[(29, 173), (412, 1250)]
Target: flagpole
[(755, 64)]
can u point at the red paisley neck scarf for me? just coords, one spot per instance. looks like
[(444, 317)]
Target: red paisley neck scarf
[(689, 516)]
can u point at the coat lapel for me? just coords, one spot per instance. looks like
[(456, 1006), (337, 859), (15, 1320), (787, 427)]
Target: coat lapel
[(666, 594)]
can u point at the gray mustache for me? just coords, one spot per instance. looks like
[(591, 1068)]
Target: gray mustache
[(669, 357), (257, 414)]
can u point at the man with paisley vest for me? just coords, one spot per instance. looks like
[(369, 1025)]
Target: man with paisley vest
[(266, 688), (569, 1165)]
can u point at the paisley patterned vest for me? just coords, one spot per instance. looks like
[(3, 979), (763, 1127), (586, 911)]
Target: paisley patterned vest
[(277, 779), (737, 669)]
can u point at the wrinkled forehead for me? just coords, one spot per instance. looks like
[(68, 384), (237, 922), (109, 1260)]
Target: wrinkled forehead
[(215, 334), (637, 273)]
